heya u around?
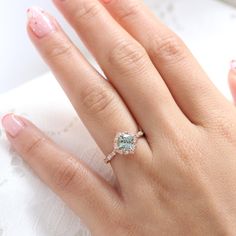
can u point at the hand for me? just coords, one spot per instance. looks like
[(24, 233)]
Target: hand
[(181, 179)]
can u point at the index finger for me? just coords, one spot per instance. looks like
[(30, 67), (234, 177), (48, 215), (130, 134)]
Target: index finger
[(85, 192)]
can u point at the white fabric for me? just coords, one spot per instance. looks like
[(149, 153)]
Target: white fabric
[(27, 206)]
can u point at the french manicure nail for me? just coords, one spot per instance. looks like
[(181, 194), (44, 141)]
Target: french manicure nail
[(12, 124), (39, 22), (233, 65)]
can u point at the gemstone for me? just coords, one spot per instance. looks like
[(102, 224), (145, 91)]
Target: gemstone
[(126, 142)]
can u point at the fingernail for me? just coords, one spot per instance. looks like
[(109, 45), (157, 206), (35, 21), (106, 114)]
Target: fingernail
[(39, 22), (12, 124), (233, 65)]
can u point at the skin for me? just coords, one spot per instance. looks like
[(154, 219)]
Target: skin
[(232, 82), (181, 179)]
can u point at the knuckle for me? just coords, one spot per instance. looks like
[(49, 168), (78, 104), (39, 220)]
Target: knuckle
[(127, 55), (35, 145), (97, 99), (60, 49), (87, 10), (65, 173), (168, 49)]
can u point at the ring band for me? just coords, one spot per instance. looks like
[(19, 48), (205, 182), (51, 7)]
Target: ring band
[(124, 143)]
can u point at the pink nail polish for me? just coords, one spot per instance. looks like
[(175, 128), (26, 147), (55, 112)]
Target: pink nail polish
[(39, 22), (12, 124), (233, 65)]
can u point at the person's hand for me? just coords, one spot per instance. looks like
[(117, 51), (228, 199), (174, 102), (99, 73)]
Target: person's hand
[(181, 179)]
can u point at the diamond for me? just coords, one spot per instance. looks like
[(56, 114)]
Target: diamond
[(125, 143)]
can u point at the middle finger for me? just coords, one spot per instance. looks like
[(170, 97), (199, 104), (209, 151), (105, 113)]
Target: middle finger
[(91, 95), (126, 63)]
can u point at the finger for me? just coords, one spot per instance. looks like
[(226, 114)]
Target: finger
[(99, 106), (84, 191), (193, 91), (232, 80), (126, 64)]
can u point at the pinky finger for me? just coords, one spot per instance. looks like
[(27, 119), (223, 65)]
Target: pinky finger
[(232, 79)]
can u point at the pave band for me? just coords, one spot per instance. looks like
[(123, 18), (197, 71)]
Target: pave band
[(124, 144)]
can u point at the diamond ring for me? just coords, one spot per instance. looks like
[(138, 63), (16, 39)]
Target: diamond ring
[(124, 143)]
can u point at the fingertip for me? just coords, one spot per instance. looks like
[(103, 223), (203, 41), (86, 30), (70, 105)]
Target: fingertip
[(39, 23), (12, 124), (5, 116), (232, 79), (233, 65), (232, 71)]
